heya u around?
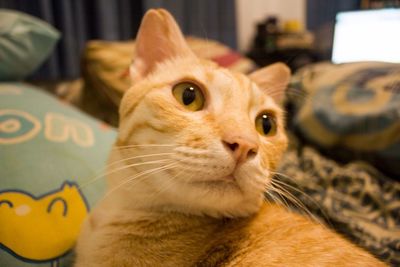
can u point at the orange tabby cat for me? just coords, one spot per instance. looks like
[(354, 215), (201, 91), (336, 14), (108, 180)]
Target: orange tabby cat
[(196, 149)]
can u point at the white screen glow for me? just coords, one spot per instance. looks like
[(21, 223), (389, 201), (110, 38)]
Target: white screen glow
[(367, 36)]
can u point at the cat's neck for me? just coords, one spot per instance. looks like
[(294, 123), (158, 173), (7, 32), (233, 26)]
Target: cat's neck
[(190, 237)]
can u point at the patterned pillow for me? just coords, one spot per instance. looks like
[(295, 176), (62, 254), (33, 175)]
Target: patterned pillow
[(49, 155), (352, 111)]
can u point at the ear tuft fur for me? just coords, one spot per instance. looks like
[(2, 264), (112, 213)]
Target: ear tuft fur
[(159, 39), (273, 80)]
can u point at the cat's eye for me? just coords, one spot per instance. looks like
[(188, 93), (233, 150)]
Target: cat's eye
[(189, 95), (266, 124)]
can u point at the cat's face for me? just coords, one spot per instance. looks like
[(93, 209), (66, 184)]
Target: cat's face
[(222, 134)]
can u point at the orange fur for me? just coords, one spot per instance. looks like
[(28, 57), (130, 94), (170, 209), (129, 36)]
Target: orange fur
[(186, 188)]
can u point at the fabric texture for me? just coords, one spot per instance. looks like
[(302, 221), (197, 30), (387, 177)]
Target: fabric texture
[(352, 111), (25, 42), (51, 160), (355, 199)]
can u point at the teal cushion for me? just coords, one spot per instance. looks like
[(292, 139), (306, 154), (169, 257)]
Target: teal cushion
[(50, 154), (352, 112), (25, 42)]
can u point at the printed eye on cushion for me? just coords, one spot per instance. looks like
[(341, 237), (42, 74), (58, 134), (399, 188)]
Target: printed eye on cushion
[(189, 95), (266, 124)]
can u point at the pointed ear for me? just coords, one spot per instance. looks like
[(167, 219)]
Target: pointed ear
[(273, 80), (159, 39), (68, 186)]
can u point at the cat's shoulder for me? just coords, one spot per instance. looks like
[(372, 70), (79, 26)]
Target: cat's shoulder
[(276, 236)]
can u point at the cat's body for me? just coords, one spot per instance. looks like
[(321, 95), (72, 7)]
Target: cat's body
[(272, 237), (196, 150)]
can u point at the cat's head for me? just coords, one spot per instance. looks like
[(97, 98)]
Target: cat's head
[(222, 132)]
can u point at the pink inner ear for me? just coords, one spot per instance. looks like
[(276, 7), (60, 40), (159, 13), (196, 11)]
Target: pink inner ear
[(159, 39), (273, 80)]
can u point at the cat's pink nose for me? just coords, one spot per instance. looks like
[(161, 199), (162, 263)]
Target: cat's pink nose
[(241, 148)]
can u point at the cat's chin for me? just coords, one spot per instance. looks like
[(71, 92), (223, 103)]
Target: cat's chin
[(222, 197), (222, 185), (224, 180)]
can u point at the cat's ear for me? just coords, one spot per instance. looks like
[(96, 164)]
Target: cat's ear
[(159, 39), (273, 80)]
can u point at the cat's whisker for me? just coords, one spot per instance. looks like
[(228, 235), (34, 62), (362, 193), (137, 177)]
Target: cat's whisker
[(292, 187), (280, 194), (298, 100), (137, 157), (296, 91), (121, 168), (266, 198), (142, 146), (303, 193), (101, 173), (283, 197), (285, 193), (274, 92), (175, 164), (277, 200), (280, 185), (158, 192), (140, 175), (305, 97), (274, 87)]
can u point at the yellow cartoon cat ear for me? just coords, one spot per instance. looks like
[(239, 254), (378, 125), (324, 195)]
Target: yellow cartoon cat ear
[(159, 39), (66, 186), (273, 80)]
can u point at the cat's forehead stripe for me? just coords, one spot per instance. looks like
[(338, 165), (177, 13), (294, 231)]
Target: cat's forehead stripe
[(227, 90), (223, 88)]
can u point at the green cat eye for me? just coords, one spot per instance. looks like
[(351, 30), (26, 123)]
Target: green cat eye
[(266, 124), (189, 95)]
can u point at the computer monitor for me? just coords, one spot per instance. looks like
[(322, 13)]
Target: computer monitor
[(371, 35)]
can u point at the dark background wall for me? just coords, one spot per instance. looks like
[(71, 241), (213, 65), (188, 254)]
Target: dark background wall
[(83, 20), (321, 20), (79, 21)]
